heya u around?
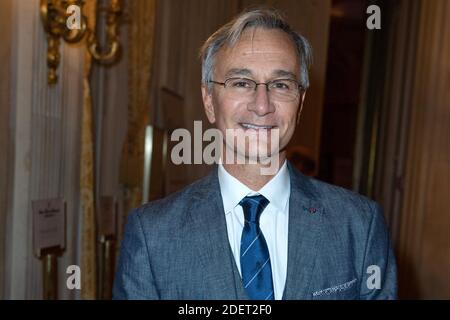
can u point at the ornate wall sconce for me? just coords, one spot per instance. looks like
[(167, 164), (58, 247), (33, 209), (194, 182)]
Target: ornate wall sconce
[(55, 15)]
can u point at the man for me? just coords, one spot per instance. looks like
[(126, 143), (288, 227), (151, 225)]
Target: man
[(241, 234)]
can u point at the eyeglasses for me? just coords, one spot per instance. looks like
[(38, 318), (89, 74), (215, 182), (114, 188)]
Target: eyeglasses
[(283, 90)]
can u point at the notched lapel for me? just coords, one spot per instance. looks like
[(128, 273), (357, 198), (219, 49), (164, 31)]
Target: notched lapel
[(305, 223), (212, 245)]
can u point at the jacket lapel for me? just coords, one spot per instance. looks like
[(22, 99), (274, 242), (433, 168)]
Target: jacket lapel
[(305, 219), (221, 276)]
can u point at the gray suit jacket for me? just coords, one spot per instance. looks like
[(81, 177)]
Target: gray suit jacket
[(177, 247)]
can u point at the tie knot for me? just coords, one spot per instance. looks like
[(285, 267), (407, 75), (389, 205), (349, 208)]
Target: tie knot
[(253, 206)]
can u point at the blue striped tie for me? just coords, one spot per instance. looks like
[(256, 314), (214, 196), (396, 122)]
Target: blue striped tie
[(255, 260)]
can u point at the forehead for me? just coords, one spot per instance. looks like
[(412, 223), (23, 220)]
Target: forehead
[(263, 52)]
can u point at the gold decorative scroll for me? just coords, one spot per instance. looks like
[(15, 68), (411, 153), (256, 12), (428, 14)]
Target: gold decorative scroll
[(112, 54), (87, 165), (55, 15), (141, 39)]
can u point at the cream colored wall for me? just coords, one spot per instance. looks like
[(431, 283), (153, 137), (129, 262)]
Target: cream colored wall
[(44, 139)]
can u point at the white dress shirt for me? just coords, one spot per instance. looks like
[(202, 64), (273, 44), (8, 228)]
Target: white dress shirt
[(273, 221)]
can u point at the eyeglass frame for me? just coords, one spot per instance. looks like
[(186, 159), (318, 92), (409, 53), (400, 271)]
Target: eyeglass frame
[(299, 86)]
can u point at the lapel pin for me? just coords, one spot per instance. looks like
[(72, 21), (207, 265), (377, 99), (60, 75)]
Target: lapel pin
[(310, 210)]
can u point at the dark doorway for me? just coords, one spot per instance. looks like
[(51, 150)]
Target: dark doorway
[(342, 92)]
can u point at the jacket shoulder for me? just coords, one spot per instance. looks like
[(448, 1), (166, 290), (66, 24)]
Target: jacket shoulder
[(174, 205), (346, 205), (333, 193)]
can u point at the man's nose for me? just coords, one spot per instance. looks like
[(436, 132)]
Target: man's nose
[(262, 104)]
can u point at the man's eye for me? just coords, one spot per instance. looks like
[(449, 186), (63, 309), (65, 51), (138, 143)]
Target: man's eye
[(280, 85), (241, 84)]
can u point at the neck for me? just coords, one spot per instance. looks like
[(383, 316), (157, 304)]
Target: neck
[(250, 174)]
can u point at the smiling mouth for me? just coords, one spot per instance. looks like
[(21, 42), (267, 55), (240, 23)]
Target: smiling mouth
[(247, 126)]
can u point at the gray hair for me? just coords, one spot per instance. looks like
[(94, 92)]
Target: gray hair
[(231, 32)]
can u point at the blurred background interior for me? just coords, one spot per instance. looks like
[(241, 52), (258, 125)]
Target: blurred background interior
[(86, 117)]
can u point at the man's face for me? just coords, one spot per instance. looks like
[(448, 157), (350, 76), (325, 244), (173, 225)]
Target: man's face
[(262, 55)]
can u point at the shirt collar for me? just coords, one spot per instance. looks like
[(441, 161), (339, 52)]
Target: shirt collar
[(277, 190)]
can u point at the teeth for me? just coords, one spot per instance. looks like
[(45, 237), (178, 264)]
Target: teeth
[(252, 126)]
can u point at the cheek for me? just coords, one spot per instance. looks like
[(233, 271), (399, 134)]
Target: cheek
[(227, 113), (288, 123), (287, 134), (288, 119)]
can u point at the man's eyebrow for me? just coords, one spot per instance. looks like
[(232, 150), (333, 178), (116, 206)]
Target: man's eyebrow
[(238, 72), (284, 74)]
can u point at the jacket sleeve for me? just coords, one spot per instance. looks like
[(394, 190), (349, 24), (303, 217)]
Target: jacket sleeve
[(379, 274), (134, 278)]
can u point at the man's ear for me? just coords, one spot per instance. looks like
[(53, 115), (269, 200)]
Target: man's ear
[(207, 104), (302, 100)]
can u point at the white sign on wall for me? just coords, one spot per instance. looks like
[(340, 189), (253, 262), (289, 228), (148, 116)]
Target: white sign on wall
[(49, 224)]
